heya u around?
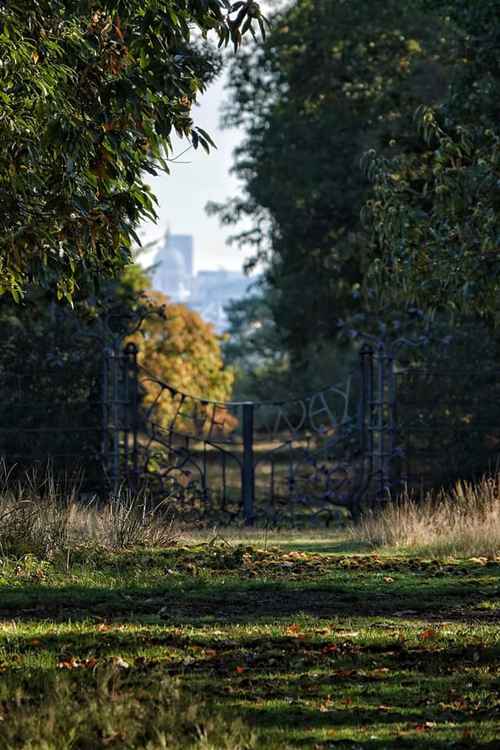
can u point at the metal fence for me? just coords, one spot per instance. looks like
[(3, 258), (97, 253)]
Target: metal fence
[(51, 412), (304, 459), (387, 425)]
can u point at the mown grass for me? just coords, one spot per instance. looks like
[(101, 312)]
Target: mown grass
[(224, 645)]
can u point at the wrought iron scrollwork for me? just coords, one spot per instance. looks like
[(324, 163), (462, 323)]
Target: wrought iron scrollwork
[(272, 462)]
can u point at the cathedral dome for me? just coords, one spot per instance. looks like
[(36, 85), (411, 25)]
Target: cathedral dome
[(172, 274)]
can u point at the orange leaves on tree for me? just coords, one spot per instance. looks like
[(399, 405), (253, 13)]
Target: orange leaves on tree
[(182, 350)]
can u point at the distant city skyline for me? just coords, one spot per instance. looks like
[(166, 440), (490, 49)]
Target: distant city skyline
[(207, 291)]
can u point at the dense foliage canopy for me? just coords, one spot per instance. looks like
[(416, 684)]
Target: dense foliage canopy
[(331, 81), (435, 211), (90, 94)]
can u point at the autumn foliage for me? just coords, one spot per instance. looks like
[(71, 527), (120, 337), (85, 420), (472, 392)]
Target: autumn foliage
[(179, 349)]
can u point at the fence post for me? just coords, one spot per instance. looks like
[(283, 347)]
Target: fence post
[(109, 426), (105, 409), (391, 479), (115, 427), (115, 418), (247, 469), (385, 424), (132, 416), (367, 411), (380, 422)]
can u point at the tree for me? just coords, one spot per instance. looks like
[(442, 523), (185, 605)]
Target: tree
[(435, 212), (90, 96), (332, 80), (178, 348), (256, 350)]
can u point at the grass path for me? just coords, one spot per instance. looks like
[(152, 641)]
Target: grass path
[(306, 649)]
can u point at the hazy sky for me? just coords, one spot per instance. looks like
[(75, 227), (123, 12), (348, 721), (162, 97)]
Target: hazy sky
[(194, 180), (183, 194)]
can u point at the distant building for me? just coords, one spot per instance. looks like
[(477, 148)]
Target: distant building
[(173, 274), (207, 292), (213, 290)]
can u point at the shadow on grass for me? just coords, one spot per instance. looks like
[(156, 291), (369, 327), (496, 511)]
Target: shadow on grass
[(385, 692), (190, 600), (326, 546), (283, 682)]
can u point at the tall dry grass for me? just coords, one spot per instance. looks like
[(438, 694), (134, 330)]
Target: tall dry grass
[(43, 515), (461, 522)]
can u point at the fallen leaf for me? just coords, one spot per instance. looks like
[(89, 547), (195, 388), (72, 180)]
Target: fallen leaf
[(478, 560), (332, 648), (378, 674), (426, 634), (70, 663), (425, 726), (345, 673)]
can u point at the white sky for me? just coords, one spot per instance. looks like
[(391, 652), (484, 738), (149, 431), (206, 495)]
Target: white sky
[(196, 179), (183, 194)]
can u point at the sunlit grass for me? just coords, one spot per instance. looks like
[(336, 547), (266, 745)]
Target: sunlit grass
[(235, 639), (225, 645)]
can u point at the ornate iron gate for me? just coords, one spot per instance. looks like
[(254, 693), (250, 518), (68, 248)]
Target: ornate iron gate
[(303, 459)]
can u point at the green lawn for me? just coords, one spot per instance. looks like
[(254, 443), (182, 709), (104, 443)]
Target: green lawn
[(232, 646)]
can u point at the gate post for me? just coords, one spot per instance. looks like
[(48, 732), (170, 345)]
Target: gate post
[(105, 410), (391, 477), (247, 469), (115, 418)]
